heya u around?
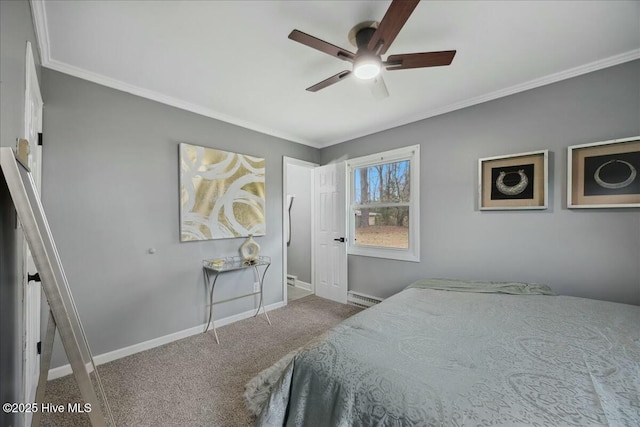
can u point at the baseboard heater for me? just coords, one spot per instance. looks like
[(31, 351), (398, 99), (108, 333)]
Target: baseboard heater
[(362, 300), (291, 279)]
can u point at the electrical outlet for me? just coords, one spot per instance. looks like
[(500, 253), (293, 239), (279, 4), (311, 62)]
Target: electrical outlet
[(256, 286)]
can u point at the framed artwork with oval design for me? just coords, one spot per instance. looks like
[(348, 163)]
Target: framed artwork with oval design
[(513, 182), (604, 174)]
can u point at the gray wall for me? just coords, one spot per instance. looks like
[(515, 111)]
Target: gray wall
[(589, 253), (299, 251), (16, 29), (110, 190)]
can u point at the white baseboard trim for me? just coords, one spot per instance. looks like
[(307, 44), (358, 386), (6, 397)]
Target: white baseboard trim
[(303, 285), (100, 359)]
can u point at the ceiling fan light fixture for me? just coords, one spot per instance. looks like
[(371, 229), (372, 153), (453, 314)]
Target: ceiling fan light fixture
[(366, 66), (373, 39)]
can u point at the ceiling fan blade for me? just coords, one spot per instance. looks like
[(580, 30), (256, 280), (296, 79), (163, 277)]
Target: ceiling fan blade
[(321, 45), (391, 24), (378, 88), (328, 82), (419, 60)]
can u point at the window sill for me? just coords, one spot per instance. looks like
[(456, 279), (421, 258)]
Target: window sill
[(393, 254)]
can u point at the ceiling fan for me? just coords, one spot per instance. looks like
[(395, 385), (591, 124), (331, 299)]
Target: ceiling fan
[(372, 41)]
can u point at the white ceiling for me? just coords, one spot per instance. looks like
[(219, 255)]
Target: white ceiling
[(232, 60)]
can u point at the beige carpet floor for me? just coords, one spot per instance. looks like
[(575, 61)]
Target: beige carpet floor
[(194, 381), (294, 293)]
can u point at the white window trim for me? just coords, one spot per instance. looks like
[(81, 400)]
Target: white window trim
[(411, 153)]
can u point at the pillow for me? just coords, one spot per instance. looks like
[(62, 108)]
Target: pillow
[(512, 288)]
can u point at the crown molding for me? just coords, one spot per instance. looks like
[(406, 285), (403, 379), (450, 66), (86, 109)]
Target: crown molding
[(42, 34), (38, 9), (171, 101), (631, 55), (39, 16)]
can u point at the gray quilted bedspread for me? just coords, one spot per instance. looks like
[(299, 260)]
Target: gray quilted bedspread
[(442, 358)]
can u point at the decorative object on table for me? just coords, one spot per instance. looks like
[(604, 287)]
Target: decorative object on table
[(222, 194), (516, 181), (217, 263), (250, 250), (604, 174)]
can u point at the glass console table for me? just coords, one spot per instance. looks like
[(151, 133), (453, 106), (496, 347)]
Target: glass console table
[(212, 268)]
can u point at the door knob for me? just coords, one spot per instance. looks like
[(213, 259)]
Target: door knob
[(341, 239)]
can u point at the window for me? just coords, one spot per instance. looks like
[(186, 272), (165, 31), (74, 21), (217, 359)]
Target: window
[(384, 205)]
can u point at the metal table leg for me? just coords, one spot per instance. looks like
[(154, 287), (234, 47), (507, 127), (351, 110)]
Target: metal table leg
[(215, 278), (262, 293)]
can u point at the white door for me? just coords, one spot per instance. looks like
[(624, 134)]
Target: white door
[(32, 290), (331, 231)]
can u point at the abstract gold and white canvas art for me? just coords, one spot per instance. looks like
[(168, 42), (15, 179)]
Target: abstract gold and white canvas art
[(222, 194)]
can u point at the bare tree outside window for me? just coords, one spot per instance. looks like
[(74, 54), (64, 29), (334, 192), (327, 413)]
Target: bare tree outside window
[(382, 205), (364, 198)]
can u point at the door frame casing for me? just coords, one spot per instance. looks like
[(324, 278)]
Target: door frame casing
[(310, 165), (31, 292)]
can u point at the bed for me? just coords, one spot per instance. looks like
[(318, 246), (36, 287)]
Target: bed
[(455, 353)]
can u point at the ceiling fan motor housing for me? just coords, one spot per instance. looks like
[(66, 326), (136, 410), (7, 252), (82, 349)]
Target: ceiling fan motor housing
[(363, 36)]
